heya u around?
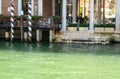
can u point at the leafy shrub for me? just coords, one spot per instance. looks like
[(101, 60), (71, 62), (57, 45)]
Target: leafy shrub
[(87, 25), (75, 25)]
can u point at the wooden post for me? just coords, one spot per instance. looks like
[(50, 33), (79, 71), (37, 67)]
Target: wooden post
[(12, 20), (37, 35), (21, 28), (78, 25), (50, 36), (40, 31), (7, 35), (25, 36), (29, 21)]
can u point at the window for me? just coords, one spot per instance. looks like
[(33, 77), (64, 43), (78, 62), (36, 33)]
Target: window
[(83, 10), (25, 7), (58, 7)]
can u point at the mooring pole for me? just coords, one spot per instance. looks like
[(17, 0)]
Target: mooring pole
[(37, 35), (78, 24), (12, 20), (29, 21), (21, 28)]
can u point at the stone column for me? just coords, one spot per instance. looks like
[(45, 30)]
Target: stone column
[(117, 26), (0, 6), (99, 13), (91, 26), (40, 7), (19, 7), (74, 11), (32, 4), (64, 15)]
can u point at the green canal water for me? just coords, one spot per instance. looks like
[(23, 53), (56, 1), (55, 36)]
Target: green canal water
[(59, 61)]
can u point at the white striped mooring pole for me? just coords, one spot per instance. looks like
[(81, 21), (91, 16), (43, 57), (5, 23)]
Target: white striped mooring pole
[(29, 20), (12, 20)]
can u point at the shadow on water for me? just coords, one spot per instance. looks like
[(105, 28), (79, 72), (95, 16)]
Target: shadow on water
[(110, 49)]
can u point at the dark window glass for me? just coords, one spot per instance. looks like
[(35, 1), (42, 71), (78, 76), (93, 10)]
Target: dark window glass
[(25, 7)]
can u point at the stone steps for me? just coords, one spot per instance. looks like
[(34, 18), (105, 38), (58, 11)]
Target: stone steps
[(82, 37)]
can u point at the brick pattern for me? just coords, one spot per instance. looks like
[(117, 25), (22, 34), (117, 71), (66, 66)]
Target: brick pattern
[(6, 5), (47, 7)]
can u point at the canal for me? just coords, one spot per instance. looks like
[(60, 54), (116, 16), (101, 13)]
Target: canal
[(59, 61)]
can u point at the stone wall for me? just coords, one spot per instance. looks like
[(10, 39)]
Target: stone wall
[(47, 7), (101, 35), (6, 7)]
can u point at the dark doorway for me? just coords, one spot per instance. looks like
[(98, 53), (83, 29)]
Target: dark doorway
[(45, 36)]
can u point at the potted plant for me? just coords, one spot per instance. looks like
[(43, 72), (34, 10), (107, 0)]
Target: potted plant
[(57, 19)]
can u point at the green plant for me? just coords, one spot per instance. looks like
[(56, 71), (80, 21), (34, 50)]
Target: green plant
[(1, 15), (19, 17), (80, 25), (57, 17), (95, 25), (6, 17), (72, 25), (105, 25), (36, 17)]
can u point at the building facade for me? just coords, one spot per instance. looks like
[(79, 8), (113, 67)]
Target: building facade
[(39, 7), (96, 11)]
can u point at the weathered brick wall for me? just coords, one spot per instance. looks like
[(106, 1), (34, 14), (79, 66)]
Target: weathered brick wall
[(47, 7), (6, 4)]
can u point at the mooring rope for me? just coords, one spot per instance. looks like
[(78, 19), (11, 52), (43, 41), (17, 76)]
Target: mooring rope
[(12, 19), (29, 21)]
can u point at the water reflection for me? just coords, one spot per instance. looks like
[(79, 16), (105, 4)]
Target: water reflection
[(111, 49)]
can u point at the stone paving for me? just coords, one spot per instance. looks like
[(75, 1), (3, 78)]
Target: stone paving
[(100, 35)]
